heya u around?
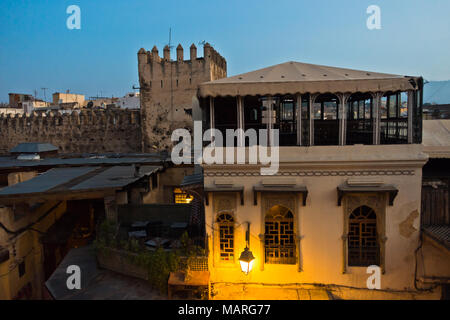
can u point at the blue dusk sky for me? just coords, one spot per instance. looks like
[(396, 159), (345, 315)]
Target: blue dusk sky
[(37, 50)]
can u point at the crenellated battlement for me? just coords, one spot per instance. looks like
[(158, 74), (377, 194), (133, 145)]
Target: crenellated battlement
[(168, 88), (80, 131), (118, 117), (209, 54)]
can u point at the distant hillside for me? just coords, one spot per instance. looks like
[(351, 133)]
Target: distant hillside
[(437, 92)]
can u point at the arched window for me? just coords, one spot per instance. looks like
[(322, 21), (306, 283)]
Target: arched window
[(225, 222), (279, 238), (363, 248)]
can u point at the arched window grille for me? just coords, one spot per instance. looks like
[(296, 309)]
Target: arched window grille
[(279, 238), (363, 248), (225, 222)]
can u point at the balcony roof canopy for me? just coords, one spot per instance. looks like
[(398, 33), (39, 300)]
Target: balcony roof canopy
[(295, 77)]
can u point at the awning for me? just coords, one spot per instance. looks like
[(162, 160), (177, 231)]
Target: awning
[(295, 77), (209, 190), (384, 188), (280, 189)]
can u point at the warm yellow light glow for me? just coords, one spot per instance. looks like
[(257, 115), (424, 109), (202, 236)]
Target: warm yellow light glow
[(246, 267), (181, 196), (246, 260)]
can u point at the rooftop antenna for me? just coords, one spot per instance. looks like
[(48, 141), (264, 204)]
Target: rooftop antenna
[(203, 42), (170, 38), (45, 97)]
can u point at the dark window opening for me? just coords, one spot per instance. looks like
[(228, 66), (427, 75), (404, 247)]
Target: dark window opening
[(326, 120), (279, 237), (154, 181), (225, 115), (22, 269), (417, 114), (359, 119), (253, 116), (363, 248), (285, 119), (394, 126)]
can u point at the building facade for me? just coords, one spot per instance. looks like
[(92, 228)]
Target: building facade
[(347, 193)]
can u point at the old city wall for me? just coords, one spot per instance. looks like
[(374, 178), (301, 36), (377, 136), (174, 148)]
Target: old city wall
[(169, 87), (89, 131)]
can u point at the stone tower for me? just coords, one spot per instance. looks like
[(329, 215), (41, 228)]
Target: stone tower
[(169, 88)]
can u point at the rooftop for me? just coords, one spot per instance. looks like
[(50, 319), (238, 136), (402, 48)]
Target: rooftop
[(96, 284), (65, 182), (292, 77), (436, 138), (11, 162), (33, 147)]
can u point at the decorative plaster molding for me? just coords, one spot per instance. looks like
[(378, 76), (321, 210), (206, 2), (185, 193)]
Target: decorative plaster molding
[(323, 173)]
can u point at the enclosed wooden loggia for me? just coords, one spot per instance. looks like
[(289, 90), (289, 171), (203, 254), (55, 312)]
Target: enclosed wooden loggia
[(317, 105)]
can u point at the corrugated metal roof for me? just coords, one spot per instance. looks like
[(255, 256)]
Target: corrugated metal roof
[(46, 181), (65, 180), (33, 147), (114, 177), (440, 233), (8, 162)]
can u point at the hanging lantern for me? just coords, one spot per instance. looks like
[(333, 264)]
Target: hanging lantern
[(246, 260)]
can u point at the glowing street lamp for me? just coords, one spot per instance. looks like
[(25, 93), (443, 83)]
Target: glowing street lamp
[(246, 259)]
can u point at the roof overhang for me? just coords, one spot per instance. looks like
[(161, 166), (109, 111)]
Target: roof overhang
[(280, 189), (344, 189), (212, 89), (224, 189)]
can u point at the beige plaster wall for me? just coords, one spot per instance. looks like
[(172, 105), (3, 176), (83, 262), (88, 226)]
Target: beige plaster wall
[(320, 222)]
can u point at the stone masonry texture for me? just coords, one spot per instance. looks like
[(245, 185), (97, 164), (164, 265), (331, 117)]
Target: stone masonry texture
[(168, 88), (87, 132)]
